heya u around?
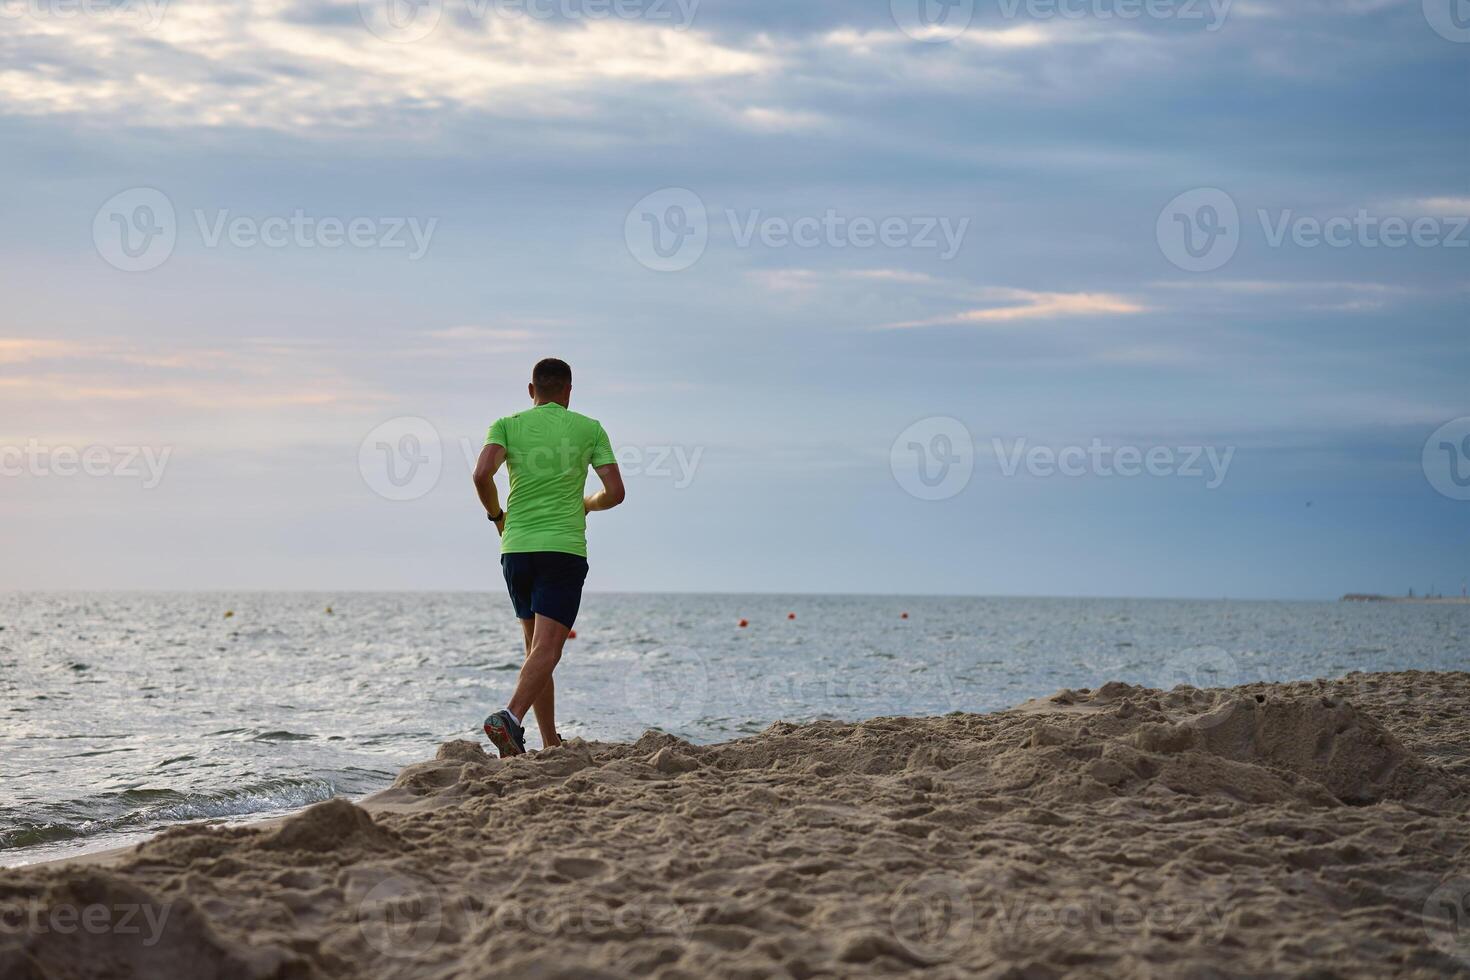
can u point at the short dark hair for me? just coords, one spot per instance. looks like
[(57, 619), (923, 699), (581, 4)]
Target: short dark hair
[(551, 376)]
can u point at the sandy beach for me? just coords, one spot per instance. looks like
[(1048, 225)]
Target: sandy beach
[(1267, 830)]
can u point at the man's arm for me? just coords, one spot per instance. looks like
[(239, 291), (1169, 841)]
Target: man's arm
[(612, 492), (490, 459)]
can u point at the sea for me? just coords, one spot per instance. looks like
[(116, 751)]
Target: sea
[(123, 714)]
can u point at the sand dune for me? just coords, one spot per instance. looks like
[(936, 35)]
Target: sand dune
[(1266, 830)]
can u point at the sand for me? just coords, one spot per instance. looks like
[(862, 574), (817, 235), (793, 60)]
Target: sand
[(1316, 828)]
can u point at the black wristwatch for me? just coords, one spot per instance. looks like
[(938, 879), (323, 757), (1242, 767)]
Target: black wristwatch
[(497, 518)]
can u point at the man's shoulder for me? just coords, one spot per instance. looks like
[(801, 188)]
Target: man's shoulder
[(500, 429), (586, 420), (513, 417)]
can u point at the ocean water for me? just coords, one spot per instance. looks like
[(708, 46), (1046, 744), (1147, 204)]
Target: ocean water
[(122, 714)]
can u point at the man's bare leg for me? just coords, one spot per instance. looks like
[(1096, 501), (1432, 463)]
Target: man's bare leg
[(547, 638), (545, 703)]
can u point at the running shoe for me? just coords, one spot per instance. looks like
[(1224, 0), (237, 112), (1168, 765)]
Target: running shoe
[(508, 737)]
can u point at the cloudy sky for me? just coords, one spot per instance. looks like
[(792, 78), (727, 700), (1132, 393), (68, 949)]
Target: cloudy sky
[(871, 297)]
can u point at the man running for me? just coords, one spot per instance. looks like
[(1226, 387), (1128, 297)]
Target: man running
[(543, 534)]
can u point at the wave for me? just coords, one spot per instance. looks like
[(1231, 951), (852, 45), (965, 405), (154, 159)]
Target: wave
[(137, 810)]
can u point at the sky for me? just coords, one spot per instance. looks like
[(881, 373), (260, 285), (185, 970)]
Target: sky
[(1005, 297)]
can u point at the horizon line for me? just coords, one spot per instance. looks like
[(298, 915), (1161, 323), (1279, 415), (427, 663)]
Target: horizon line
[(681, 592)]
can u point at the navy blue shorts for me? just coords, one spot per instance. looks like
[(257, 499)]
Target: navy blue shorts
[(548, 583)]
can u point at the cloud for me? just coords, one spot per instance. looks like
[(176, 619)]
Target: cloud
[(779, 120), (1228, 295), (1021, 36), (485, 333), (1023, 304), (1276, 287), (1350, 306), (98, 387), (1442, 206), (262, 65), (201, 378), (890, 275), (20, 350), (1312, 8), (787, 280), (811, 278), (469, 339), (1001, 304)]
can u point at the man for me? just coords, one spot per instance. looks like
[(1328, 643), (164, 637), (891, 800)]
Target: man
[(543, 534)]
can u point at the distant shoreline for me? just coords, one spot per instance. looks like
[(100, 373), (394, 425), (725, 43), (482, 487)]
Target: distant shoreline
[(1364, 597)]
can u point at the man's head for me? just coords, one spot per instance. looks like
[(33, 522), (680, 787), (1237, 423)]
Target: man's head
[(551, 381)]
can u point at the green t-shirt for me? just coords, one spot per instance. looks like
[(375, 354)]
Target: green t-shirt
[(548, 449)]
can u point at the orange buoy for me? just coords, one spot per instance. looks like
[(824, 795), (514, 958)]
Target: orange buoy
[(744, 623), (791, 615), (571, 634), (903, 615)]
